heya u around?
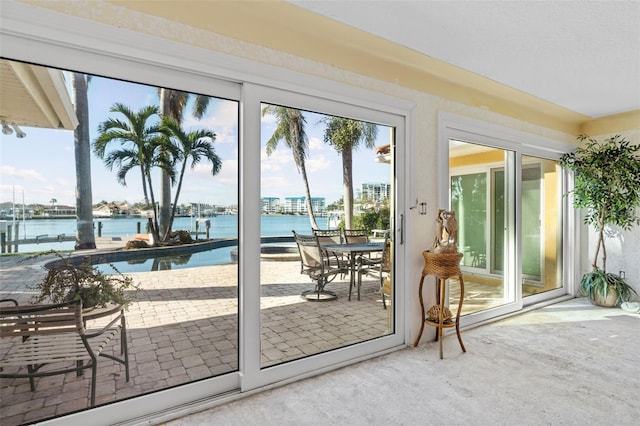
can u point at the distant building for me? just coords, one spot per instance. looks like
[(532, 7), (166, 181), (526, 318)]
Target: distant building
[(201, 210), (294, 205), (270, 205), (318, 205), (60, 211), (297, 205), (375, 191), (102, 211)]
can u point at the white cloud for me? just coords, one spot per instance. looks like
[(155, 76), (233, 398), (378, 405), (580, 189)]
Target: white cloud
[(62, 182), (280, 159), (316, 144), (317, 163), (276, 186), (10, 171), (228, 173), (221, 118)]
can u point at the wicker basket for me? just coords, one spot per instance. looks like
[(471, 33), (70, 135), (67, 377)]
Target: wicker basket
[(433, 314), (442, 265)]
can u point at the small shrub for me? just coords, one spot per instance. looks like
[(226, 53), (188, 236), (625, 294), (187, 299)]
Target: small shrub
[(68, 281), (136, 244), (182, 236)]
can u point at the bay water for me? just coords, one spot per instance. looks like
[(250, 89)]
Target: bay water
[(223, 226)]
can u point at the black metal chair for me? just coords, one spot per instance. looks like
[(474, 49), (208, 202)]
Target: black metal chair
[(328, 236), (379, 267), (315, 264), (331, 236), (356, 236)]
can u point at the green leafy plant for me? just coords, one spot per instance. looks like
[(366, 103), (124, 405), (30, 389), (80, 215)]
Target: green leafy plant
[(598, 285), (68, 280), (607, 186)]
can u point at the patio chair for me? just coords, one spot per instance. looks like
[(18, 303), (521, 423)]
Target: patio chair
[(47, 340), (328, 236), (355, 236), (315, 264), (331, 236), (379, 267)]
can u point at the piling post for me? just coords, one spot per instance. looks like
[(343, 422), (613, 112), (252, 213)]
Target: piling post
[(16, 233), (9, 230), (3, 236)]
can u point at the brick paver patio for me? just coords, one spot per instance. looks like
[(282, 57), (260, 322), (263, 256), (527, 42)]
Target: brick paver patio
[(183, 327)]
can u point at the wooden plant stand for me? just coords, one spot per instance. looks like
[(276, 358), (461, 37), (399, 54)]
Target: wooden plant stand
[(443, 266)]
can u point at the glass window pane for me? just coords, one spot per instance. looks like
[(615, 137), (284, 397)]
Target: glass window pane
[(182, 323), (541, 225), (482, 205), (469, 201), (308, 159)]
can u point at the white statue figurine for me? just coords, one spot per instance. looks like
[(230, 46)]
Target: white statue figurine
[(447, 236)]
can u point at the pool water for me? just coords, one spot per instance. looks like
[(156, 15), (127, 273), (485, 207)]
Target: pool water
[(220, 256)]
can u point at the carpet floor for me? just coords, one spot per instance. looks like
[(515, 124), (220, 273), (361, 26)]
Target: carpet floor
[(566, 364)]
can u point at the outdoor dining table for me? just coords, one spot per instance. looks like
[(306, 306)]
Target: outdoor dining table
[(352, 251)]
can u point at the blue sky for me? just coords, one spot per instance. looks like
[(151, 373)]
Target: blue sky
[(41, 166)]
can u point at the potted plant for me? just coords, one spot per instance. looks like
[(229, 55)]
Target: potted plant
[(67, 280), (607, 186)]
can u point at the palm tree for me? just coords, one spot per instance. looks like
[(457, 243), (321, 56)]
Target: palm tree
[(85, 238), (141, 146), (132, 135), (345, 135), (172, 104), (290, 129), (194, 147)]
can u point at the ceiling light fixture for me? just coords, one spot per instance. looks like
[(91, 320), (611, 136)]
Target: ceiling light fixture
[(6, 129), (19, 133)]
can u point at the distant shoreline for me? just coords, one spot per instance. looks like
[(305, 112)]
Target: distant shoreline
[(97, 218)]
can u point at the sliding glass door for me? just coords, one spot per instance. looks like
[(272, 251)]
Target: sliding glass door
[(218, 305), (509, 205), (483, 201), (303, 189), (542, 224)]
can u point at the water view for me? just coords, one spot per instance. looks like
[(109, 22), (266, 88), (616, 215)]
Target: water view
[(223, 226)]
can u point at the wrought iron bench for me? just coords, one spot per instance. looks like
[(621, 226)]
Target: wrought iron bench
[(46, 340)]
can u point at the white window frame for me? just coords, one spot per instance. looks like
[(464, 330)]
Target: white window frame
[(457, 127), (45, 37)]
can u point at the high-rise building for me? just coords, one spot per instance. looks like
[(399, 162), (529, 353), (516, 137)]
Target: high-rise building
[(270, 205), (298, 205), (375, 191)]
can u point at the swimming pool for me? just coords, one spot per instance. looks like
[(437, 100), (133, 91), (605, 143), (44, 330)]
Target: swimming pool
[(210, 257), (216, 252)]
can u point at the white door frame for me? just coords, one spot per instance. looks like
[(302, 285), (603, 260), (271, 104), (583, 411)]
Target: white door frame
[(453, 126)]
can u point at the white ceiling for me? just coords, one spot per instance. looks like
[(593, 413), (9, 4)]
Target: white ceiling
[(582, 55)]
